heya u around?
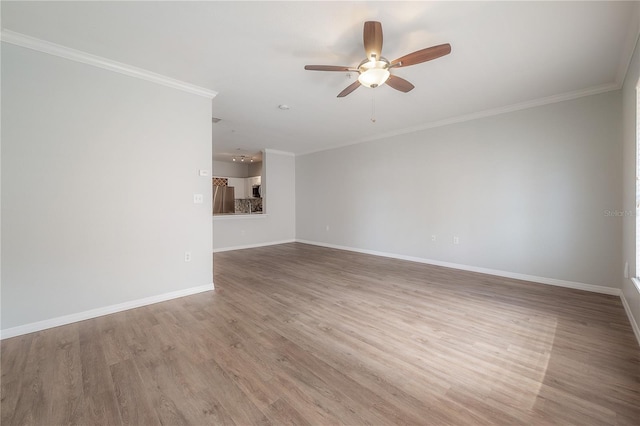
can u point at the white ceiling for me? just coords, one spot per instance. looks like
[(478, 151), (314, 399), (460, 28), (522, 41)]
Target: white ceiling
[(505, 55)]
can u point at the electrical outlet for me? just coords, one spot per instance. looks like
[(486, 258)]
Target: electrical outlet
[(327, 228), (198, 199), (433, 238), (187, 256)]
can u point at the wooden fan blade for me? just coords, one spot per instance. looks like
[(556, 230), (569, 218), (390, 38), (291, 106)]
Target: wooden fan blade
[(350, 88), (399, 84), (372, 36), (423, 55), (327, 68)]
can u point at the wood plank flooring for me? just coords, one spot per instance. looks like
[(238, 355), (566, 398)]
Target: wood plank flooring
[(302, 335)]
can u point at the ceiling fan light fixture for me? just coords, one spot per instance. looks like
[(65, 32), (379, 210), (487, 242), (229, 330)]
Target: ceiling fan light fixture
[(373, 77), (373, 73)]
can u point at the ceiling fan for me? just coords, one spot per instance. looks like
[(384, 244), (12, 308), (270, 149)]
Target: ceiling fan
[(374, 70)]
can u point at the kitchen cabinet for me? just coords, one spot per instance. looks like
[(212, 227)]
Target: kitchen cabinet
[(239, 187), (243, 187)]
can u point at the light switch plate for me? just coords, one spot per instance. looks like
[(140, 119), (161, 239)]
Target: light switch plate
[(203, 172)]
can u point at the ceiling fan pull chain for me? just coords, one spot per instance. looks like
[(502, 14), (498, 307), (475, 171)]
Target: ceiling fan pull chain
[(373, 106)]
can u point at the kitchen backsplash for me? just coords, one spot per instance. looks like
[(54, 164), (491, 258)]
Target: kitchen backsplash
[(242, 205)]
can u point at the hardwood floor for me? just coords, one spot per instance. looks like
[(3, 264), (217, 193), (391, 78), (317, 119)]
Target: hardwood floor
[(303, 335)]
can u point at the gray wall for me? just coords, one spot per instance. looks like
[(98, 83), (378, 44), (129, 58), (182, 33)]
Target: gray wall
[(227, 169), (98, 175), (630, 291), (255, 169), (239, 170), (526, 192), (278, 224)]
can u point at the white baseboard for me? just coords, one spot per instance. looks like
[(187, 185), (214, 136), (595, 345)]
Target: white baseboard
[(98, 312), (542, 280), (248, 246), (632, 320)]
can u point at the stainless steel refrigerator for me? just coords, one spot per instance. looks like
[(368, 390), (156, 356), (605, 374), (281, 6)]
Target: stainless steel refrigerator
[(223, 199)]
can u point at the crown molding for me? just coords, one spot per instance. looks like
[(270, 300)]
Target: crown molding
[(28, 42), (498, 111), (629, 47), (275, 151), (478, 115)]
